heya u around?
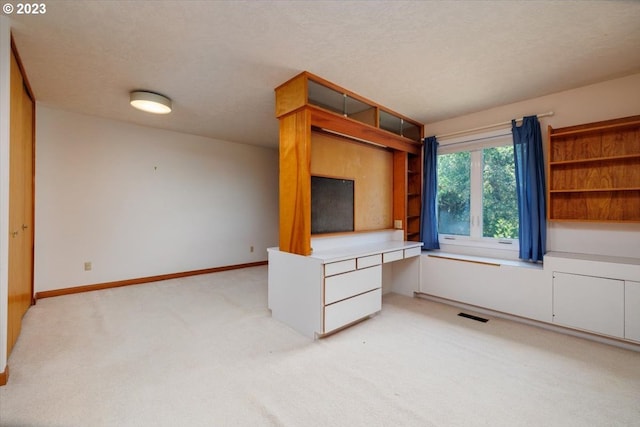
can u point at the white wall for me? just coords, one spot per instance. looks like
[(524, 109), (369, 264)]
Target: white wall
[(139, 202), (5, 102), (603, 101)]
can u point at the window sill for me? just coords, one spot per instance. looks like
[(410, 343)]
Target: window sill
[(496, 262), (481, 249)]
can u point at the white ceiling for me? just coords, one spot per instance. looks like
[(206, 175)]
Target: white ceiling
[(219, 61)]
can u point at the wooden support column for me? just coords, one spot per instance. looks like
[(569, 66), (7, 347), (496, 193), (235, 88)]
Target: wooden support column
[(295, 182)]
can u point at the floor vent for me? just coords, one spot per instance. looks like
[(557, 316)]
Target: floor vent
[(471, 316)]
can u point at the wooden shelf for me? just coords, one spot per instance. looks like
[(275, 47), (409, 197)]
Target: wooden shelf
[(612, 126), (309, 103), (586, 190), (613, 206), (594, 172), (414, 196), (596, 159)]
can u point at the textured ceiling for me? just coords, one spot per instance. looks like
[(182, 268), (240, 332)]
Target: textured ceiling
[(219, 61)]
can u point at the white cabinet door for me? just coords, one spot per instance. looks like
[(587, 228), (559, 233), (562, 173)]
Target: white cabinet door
[(632, 310), (591, 303)]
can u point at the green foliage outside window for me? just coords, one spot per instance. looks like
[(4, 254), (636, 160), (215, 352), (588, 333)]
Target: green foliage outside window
[(454, 193), (499, 197)]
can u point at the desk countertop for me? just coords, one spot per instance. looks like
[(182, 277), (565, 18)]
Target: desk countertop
[(360, 250)]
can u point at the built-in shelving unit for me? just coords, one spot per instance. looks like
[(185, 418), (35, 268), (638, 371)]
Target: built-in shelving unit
[(308, 102), (594, 171), (414, 196)]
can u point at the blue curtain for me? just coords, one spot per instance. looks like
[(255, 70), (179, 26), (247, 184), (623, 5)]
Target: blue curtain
[(529, 166), (428, 215)]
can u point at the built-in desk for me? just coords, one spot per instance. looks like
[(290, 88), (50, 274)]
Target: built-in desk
[(341, 282)]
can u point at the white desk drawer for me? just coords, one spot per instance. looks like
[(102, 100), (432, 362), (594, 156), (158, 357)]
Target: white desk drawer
[(369, 261), (346, 285), (344, 312), (392, 256), (339, 267), (411, 252)]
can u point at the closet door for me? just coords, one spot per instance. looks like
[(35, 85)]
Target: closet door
[(20, 290)]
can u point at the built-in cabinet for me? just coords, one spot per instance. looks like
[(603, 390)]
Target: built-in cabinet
[(307, 89), (308, 102), (632, 310), (594, 171), (591, 303), (597, 294)]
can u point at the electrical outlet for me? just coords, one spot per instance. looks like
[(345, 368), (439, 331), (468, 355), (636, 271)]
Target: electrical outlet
[(87, 266)]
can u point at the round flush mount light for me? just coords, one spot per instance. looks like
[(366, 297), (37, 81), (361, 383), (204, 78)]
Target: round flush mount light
[(150, 102)]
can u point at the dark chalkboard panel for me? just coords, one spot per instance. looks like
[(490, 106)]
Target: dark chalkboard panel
[(331, 205)]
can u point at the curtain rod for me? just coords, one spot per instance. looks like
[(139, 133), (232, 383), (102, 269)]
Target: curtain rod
[(460, 132)]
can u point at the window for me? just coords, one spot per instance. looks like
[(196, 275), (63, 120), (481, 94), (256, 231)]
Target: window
[(477, 199)]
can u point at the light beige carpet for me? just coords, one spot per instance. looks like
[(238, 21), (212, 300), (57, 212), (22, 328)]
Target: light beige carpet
[(204, 351)]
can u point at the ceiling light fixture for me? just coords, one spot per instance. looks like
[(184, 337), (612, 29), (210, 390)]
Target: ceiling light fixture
[(150, 102)]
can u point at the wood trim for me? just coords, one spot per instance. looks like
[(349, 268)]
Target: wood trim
[(141, 280), (594, 127), (361, 131), (493, 264), (595, 190), (291, 95), (27, 85), (595, 159), (4, 376), (547, 169), (623, 221)]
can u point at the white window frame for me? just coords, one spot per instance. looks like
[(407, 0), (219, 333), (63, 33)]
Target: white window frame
[(475, 143)]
